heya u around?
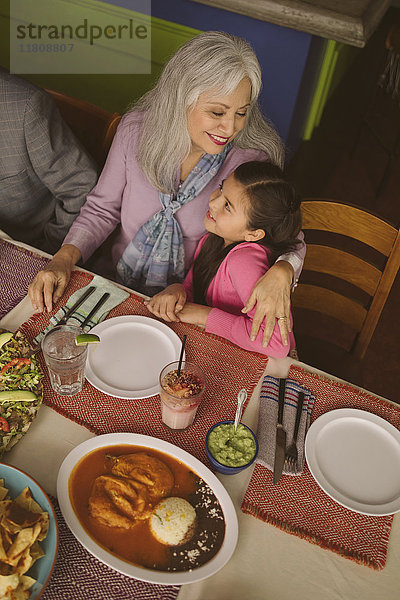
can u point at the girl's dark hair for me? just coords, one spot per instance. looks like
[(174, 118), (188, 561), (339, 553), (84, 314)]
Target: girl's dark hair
[(274, 207)]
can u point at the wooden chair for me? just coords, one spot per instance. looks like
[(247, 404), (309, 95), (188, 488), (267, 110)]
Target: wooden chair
[(94, 127), (352, 260)]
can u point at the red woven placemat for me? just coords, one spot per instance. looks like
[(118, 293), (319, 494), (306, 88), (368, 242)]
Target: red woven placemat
[(18, 267), (300, 507), (78, 575), (228, 368)]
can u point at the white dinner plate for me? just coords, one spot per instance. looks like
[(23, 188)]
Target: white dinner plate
[(129, 569), (132, 352), (354, 456)]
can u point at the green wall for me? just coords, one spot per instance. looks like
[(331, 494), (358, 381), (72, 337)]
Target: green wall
[(114, 93)]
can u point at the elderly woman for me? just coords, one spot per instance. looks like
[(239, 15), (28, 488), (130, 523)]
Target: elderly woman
[(176, 146)]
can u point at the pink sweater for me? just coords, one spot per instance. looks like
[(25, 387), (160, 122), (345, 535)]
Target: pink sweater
[(228, 293)]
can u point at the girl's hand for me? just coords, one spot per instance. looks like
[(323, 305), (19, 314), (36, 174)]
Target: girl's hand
[(49, 284), (167, 303), (272, 295), (196, 314)]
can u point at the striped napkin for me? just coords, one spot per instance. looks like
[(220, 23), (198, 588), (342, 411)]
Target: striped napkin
[(117, 295), (268, 417)]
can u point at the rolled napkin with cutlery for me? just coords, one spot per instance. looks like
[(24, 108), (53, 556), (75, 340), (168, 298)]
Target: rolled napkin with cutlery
[(268, 417), (88, 305)]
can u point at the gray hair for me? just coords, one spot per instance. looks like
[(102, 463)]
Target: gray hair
[(210, 61)]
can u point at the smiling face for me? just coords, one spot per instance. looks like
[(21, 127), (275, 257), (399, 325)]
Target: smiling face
[(228, 211), (216, 120)]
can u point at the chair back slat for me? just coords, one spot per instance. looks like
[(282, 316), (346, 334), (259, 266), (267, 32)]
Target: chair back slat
[(379, 300), (343, 265), (350, 221), (330, 303)]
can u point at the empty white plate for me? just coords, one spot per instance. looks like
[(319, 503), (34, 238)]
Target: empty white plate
[(130, 356), (354, 456)]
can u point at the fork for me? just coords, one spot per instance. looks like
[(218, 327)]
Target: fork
[(77, 304), (291, 452), (35, 348), (95, 309)]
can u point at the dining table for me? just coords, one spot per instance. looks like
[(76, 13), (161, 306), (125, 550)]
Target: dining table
[(271, 561)]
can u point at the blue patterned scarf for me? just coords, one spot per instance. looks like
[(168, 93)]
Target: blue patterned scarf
[(156, 256)]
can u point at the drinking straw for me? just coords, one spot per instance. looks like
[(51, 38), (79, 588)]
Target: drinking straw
[(181, 355)]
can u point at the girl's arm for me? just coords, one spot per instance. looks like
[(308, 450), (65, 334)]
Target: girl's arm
[(271, 294), (168, 303), (243, 269)]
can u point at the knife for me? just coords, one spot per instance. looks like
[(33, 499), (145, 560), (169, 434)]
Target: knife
[(280, 446), (95, 309)]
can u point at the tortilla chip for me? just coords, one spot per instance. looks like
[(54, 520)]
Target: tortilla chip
[(36, 551), (26, 582), (20, 594), (22, 541), (17, 518), (4, 504), (26, 501), (5, 569), (8, 583), (45, 524), (3, 490), (25, 562), (7, 538), (3, 553), (24, 513), (22, 524)]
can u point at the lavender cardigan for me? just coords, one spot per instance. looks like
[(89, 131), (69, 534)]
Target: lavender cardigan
[(124, 196)]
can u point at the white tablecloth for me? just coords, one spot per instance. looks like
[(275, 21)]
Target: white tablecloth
[(268, 564)]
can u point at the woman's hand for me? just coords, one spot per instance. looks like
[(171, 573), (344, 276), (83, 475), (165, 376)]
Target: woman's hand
[(168, 303), (196, 314), (272, 295), (48, 286)]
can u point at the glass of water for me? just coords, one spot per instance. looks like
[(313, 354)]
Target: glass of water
[(64, 359)]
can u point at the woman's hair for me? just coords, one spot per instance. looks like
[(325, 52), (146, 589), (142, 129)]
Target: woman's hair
[(213, 61), (273, 206)]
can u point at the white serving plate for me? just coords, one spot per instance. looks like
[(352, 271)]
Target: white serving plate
[(354, 456), (161, 577), (132, 352)]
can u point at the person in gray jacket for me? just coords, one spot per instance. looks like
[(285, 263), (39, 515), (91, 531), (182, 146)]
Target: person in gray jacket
[(45, 173)]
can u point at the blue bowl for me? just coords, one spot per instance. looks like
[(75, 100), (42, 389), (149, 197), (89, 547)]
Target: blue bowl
[(15, 481), (224, 469)]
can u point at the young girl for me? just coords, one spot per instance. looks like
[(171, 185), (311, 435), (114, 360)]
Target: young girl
[(252, 219)]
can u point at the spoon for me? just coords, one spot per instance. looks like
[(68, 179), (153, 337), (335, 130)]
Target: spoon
[(242, 397)]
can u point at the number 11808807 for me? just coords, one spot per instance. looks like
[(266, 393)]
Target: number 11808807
[(45, 47)]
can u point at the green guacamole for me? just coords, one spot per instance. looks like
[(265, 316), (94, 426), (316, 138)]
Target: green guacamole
[(230, 448)]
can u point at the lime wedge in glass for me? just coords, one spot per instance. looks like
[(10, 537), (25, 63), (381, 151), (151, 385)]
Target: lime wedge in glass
[(86, 338)]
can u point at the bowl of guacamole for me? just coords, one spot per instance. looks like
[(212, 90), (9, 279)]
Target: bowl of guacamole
[(230, 451)]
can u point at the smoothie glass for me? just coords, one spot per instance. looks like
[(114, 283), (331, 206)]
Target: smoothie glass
[(181, 396), (64, 359)]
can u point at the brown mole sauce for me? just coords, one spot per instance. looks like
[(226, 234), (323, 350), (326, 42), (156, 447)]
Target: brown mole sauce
[(137, 544)]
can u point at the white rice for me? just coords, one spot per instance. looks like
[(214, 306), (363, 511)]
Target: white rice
[(173, 521)]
